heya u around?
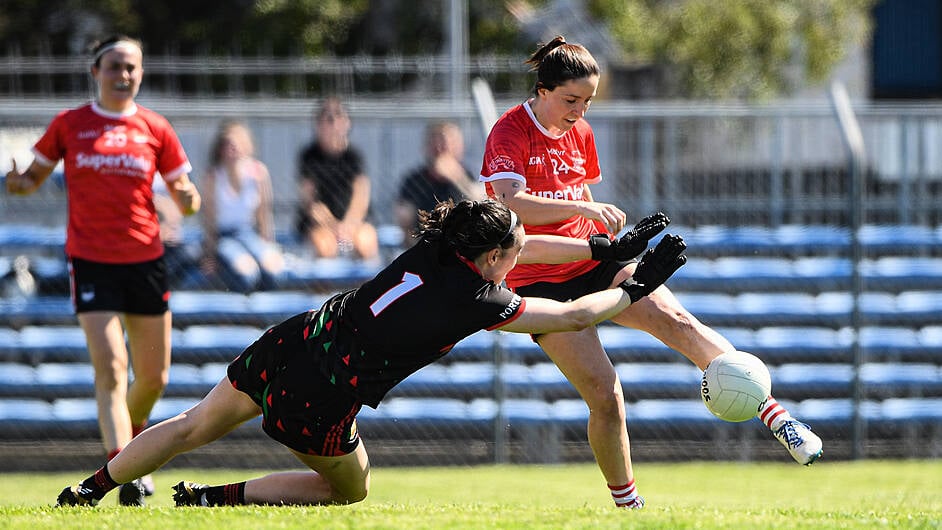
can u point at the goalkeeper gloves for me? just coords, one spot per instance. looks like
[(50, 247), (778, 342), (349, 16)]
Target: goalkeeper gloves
[(632, 243), (656, 266)]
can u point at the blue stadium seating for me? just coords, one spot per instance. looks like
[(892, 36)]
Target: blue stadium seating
[(777, 292)]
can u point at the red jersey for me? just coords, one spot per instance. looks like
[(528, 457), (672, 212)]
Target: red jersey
[(519, 148), (110, 161)]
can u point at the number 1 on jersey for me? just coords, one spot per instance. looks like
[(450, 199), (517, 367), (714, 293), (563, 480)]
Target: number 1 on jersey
[(409, 282)]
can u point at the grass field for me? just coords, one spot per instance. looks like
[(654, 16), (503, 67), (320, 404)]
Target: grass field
[(870, 494)]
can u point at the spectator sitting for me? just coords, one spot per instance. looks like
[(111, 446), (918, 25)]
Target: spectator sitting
[(238, 223), (440, 178), (335, 190)]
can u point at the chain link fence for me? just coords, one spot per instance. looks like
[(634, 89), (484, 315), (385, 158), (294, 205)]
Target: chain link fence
[(760, 193)]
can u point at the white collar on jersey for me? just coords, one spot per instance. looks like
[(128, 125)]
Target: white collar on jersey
[(98, 109)]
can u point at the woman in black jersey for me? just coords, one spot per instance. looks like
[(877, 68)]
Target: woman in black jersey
[(309, 375)]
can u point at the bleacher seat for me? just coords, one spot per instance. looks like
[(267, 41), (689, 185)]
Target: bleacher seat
[(670, 412), (799, 238), (897, 238), (212, 373), (906, 410), (743, 339), (9, 345), (625, 344), (477, 347), (338, 273), (812, 380), (780, 344), (42, 310), (16, 410), (75, 409), (209, 307), (170, 407), (931, 337), (901, 379), (570, 411), (659, 380), (841, 410), (526, 411), (32, 239), (280, 305), (883, 342), (520, 348), (53, 343)]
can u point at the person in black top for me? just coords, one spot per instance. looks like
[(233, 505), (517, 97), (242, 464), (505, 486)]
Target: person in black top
[(440, 178), (309, 376), (335, 190)]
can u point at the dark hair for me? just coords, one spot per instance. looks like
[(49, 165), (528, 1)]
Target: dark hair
[(98, 48), (558, 61), (470, 227)]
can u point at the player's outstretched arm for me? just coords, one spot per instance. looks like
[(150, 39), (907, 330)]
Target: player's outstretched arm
[(630, 245), (541, 315)]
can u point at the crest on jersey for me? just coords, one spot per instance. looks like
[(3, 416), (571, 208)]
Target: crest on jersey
[(500, 163)]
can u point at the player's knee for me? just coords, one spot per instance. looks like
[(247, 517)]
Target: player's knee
[(607, 401), (152, 383), (352, 495)]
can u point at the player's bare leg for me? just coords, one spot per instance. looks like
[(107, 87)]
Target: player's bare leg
[(109, 357), (221, 411), (581, 358), (661, 315), (149, 343)]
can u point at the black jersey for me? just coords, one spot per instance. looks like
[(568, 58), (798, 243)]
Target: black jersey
[(413, 312), (332, 176)]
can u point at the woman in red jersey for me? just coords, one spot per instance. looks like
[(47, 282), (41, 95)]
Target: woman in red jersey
[(112, 148), (539, 160)]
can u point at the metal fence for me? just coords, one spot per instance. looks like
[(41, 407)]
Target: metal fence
[(760, 192)]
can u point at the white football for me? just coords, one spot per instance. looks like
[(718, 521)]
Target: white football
[(735, 385)]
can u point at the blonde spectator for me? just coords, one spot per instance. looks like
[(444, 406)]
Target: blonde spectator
[(238, 224)]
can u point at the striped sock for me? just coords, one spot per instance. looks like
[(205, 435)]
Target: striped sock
[(227, 495), (773, 414), (626, 496), (97, 485)]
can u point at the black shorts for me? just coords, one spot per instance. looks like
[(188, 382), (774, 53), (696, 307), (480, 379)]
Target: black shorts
[(597, 279), (136, 288), (301, 409)]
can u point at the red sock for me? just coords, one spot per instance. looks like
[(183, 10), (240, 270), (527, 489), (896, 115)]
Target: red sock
[(772, 413), (625, 496), (138, 429), (113, 453)]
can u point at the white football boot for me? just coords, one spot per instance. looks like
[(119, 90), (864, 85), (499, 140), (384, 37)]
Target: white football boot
[(804, 445)]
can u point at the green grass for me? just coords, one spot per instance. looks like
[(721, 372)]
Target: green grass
[(870, 494)]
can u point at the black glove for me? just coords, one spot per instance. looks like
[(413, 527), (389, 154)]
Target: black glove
[(656, 267), (632, 243)]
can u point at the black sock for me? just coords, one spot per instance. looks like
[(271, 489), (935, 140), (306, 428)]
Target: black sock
[(227, 495), (98, 484)]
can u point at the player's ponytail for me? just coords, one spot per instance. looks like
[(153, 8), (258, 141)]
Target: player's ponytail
[(469, 227), (558, 61)]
